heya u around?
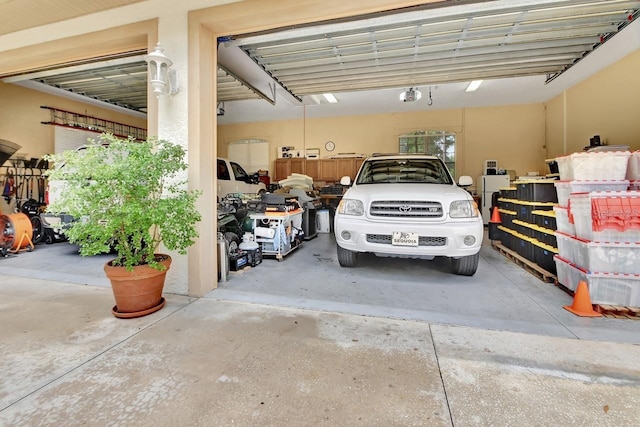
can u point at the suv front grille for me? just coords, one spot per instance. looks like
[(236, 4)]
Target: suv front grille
[(405, 209), (385, 239)]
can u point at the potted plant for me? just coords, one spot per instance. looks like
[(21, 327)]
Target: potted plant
[(126, 198)]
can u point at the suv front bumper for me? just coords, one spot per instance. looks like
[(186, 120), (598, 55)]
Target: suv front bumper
[(452, 233)]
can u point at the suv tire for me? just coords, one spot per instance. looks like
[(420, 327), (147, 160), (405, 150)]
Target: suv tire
[(346, 258), (466, 266)]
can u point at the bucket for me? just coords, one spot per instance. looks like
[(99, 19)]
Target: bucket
[(17, 230)]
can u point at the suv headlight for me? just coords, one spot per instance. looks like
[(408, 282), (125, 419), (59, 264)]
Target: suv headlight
[(463, 209), (351, 207)]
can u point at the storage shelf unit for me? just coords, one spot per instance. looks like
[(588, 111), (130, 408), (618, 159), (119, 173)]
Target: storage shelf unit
[(528, 221), (276, 232)]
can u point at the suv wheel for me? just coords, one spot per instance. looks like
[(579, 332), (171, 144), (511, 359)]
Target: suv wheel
[(346, 258), (467, 265)]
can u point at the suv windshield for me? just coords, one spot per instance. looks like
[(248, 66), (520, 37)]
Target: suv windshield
[(421, 171)]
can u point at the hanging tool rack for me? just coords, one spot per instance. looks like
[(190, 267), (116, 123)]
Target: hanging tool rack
[(23, 182), (73, 120)]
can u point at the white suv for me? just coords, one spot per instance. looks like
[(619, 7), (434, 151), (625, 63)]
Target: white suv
[(408, 206)]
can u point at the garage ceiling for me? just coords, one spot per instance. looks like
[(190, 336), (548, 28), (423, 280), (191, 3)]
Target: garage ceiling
[(486, 40), (123, 82), (436, 44)]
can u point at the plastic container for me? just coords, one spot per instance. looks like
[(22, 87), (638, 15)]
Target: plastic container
[(524, 228), (543, 255), (506, 204), (506, 236), (568, 248), (601, 257), (509, 193), (563, 223), (511, 239), (545, 219), (610, 257), (524, 247), (546, 236), (604, 288), (568, 275), (633, 166), (565, 188), (507, 218), (606, 216), (594, 165), (614, 289), (540, 190), (524, 209)]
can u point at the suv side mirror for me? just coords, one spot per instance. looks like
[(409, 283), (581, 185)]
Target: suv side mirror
[(345, 180), (465, 181)]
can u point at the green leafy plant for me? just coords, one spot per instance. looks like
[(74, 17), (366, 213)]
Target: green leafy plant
[(126, 196)]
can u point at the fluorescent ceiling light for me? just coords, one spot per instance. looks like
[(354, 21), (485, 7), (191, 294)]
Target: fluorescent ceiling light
[(330, 98), (473, 86)]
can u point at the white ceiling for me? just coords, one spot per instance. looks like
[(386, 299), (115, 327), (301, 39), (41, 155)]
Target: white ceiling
[(504, 91), (438, 50), (548, 37)]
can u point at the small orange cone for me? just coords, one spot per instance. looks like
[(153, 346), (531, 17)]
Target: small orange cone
[(582, 302), (495, 216)]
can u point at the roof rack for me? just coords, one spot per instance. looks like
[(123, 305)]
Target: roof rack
[(401, 154)]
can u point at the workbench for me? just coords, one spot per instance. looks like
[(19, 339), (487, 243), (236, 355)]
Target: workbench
[(276, 232)]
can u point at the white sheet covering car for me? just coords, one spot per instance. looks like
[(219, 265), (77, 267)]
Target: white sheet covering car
[(408, 206)]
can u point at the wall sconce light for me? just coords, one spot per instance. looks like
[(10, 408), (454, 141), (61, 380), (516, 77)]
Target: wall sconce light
[(162, 78)]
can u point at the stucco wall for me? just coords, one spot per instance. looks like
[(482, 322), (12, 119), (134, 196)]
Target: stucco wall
[(606, 104), (21, 117), (513, 135)]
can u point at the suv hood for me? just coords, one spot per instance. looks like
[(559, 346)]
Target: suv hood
[(435, 192)]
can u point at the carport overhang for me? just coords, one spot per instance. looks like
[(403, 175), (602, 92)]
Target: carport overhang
[(204, 27)]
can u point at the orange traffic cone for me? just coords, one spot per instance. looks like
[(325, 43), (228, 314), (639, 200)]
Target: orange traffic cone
[(582, 302), (495, 216), (494, 223)]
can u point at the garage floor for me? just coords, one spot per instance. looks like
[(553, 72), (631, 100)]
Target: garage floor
[(500, 296), (304, 342)]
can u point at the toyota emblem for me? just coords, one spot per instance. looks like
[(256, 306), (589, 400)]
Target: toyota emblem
[(405, 208)]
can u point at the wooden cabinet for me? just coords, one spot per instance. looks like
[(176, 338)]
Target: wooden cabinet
[(346, 167), (312, 169), (285, 167), (328, 170)]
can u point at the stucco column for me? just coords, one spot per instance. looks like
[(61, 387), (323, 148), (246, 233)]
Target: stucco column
[(193, 274)]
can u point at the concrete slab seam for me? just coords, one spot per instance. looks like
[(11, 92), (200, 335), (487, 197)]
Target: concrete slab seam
[(444, 387)]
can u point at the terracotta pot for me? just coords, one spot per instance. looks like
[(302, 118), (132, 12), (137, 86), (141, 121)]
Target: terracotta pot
[(137, 292)]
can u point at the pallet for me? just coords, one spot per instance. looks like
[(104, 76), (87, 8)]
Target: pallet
[(526, 264), (618, 312)]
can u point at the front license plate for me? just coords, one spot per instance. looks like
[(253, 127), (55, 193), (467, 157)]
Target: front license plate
[(400, 238)]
